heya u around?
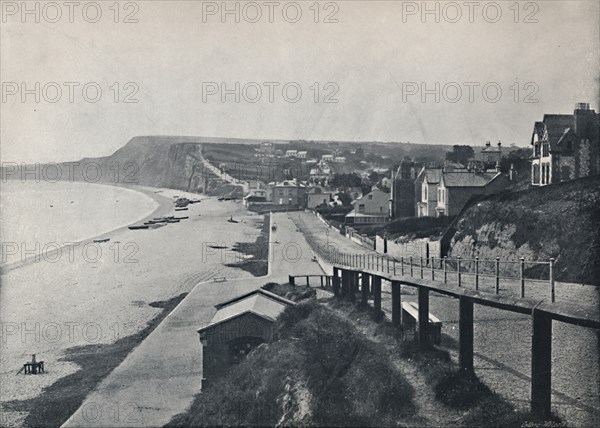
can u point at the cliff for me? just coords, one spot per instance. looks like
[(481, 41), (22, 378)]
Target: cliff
[(156, 161), (560, 221)]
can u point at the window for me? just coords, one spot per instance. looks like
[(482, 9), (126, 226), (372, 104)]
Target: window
[(536, 174), (536, 149), (361, 208), (370, 197), (545, 149), (380, 209)]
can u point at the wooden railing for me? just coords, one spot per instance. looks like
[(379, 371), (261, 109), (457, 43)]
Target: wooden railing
[(476, 273), (324, 281)]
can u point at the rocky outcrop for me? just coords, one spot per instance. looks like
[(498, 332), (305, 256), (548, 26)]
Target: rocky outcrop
[(560, 221)]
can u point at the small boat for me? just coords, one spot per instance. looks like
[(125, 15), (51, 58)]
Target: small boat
[(181, 209), (51, 206), (181, 218), (99, 241), (138, 227), (231, 220)]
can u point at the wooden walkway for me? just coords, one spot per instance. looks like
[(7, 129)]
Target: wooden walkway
[(353, 281)]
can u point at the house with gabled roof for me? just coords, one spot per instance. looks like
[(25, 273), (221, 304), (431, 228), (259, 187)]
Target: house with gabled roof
[(565, 146), (372, 208), (457, 186), (239, 325), (426, 185)]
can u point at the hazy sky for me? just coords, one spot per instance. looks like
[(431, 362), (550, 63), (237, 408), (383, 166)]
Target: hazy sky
[(375, 59)]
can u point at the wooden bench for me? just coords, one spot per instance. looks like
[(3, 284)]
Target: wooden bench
[(410, 319), (219, 279)]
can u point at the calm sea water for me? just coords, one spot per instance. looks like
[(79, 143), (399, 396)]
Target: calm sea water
[(53, 214)]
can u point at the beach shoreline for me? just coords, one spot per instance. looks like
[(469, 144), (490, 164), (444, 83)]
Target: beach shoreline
[(114, 296), (158, 210)]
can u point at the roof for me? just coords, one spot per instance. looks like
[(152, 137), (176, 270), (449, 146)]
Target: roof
[(353, 213), (492, 149), (288, 183), (259, 302), (465, 178), (433, 175), (554, 125)]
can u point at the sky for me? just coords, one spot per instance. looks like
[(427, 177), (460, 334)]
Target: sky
[(372, 72)]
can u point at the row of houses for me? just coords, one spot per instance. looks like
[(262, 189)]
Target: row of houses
[(566, 146), (289, 193)]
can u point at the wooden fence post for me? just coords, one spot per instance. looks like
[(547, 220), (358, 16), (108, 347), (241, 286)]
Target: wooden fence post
[(402, 265), (396, 303), (477, 273), (522, 275), (376, 282), (432, 268), (458, 276), (497, 275), (364, 288), (421, 262), (552, 290), (465, 334), (541, 364), (423, 323), (445, 269), (411, 266)]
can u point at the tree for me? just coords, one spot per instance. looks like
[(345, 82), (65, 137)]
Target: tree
[(344, 198), (460, 154), (360, 153), (345, 180)]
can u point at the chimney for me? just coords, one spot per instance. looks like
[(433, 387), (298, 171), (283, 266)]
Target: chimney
[(583, 118), (487, 144), (499, 143)]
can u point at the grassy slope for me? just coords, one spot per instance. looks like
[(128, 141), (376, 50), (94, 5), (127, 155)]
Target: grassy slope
[(330, 365), (560, 221), (320, 372)]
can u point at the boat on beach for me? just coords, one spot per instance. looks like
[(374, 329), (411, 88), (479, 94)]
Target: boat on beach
[(138, 227), (99, 241)]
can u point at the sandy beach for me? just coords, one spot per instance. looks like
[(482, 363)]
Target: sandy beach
[(47, 308)]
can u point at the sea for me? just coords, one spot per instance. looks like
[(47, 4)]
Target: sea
[(43, 216)]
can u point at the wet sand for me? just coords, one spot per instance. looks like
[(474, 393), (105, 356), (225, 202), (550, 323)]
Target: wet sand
[(47, 308)]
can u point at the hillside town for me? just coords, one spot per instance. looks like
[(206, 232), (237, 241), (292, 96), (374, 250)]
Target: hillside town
[(360, 189)]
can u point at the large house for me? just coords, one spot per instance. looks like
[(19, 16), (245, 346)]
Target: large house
[(288, 192), (566, 146), (457, 186), (426, 185), (491, 155), (316, 197), (372, 208)]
